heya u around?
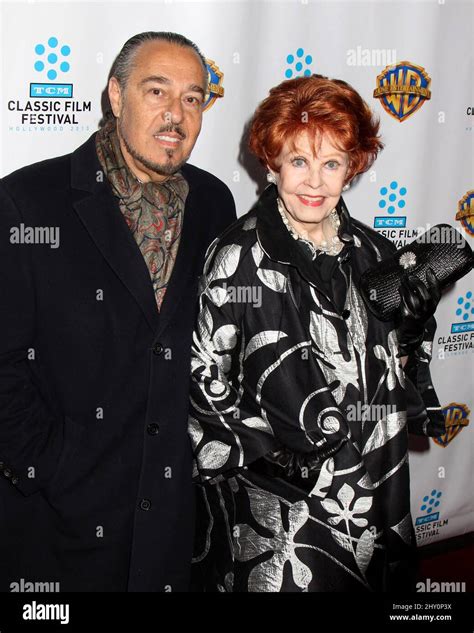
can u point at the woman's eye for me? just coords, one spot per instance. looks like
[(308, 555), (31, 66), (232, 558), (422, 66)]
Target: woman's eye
[(332, 164), (156, 91), (299, 162)]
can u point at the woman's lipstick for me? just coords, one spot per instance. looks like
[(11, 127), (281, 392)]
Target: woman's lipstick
[(310, 201)]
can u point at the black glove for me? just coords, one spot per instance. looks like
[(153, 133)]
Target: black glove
[(418, 304)]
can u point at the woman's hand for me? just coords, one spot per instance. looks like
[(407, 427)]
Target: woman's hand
[(418, 304)]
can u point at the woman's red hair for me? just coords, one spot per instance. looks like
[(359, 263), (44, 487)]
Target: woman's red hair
[(316, 105)]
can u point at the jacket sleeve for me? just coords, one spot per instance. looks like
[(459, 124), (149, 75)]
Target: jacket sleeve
[(225, 425), (31, 439), (424, 412)]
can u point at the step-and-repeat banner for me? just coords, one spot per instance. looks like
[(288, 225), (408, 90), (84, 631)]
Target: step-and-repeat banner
[(56, 57)]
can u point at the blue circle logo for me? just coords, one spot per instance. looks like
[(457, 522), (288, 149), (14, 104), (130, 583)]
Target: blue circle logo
[(298, 64), (393, 198), (52, 58), (431, 501), (466, 307)]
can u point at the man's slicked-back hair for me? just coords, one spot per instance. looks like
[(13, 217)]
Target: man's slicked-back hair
[(123, 63)]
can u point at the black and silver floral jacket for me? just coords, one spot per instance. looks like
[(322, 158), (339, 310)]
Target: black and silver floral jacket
[(301, 487)]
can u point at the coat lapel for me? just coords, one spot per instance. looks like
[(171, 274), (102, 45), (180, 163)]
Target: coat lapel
[(101, 216), (98, 210)]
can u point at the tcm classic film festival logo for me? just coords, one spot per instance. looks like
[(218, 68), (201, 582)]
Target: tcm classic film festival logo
[(460, 339), (51, 105), (429, 523)]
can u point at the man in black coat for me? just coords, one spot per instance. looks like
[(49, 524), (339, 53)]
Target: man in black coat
[(100, 253)]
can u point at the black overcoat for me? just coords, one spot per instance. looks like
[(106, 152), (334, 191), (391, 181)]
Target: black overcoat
[(95, 481)]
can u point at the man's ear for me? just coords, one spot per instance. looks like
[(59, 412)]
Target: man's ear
[(115, 96)]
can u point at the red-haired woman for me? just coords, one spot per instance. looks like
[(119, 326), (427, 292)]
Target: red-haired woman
[(301, 406)]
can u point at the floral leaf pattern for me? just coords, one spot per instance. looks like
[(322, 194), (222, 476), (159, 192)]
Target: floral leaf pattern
[(336, 368), (258, 423), (268, 575), (214, 454), (195, 431), (261, 339), (392, 364), (342, 509), (226, 262), (364, 550), (272, 279), (384, 430)]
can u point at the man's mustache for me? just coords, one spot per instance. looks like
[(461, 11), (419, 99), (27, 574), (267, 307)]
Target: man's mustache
[(171, 128)]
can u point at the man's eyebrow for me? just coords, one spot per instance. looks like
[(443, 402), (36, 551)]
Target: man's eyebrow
[(160, 79), (196, 88)]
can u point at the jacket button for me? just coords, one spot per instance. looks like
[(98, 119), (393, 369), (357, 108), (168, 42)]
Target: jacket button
[(7, 472), (15, 480), (345, 313), (145, 504), (158, 349), (153, 429)]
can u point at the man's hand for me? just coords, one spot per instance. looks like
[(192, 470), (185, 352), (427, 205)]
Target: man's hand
[(418, 304)]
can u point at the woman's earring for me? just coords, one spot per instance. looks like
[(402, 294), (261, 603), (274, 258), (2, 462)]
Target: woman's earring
[(346, 186), (271, 178)]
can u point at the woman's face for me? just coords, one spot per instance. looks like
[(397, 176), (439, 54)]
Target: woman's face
[(310, 186)]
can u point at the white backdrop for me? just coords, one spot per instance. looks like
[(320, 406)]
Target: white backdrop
[(63, 51)]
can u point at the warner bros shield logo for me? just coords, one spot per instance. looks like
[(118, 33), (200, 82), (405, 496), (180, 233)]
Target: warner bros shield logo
[(457, 418), (402, 89)]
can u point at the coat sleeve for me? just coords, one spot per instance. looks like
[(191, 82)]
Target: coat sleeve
[(31, 438), (424, 412), (225, 425)]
